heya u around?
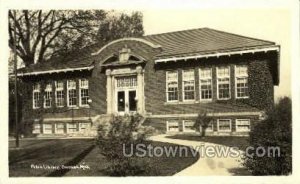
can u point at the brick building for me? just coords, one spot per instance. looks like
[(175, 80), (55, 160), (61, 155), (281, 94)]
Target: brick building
[(168, 78)]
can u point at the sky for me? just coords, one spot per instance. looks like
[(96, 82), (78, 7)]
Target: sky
[(268, 24)]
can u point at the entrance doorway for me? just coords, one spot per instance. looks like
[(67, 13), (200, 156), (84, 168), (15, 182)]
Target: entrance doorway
[(126, 94)]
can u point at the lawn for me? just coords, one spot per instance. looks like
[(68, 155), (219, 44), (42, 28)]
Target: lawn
[(232, 141), (71, 152)]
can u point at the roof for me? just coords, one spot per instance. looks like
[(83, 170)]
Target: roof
[(174, 44), (203, 41)]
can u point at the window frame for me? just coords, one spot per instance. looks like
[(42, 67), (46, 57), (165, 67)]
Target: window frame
[(167, 88), (46, 91), (68, 128), (183, 126), (39, 94), (55, 129), (44, 128), (167, 125), (229, 88), (60, 90), (84, 87), (241, 77), (68, 93), (236, 125), (182, 83), (212, 127), (35, 130), (211, 84), (218, 125)]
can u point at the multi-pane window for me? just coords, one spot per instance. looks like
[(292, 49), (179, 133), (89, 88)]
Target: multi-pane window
[(48, 95), (47, 128), (223, 76), (36, 95), (224, 125), (209, 128), (188, 80), (59, 93), (205, 84), (241, 75), (36, 128), (72, 127), (72, 95), (60, 128), (172, 86), (172, 126), (84, 91), (83, 126), (130, 81), (242, 125), (188, 126)]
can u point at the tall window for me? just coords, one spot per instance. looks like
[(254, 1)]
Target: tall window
[(172, 86), (188, 81), (205, 84), (241, 78), (223, 75), (84, 91), (36, 95), (48, 95), (59, 93), (72, 96)]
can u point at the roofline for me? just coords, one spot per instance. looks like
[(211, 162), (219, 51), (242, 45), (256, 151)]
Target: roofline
[(127, 39), (228, 53), (55, 71)]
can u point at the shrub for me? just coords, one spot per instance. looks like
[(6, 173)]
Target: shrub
[(123, 130), (276, 131), (203, 120)]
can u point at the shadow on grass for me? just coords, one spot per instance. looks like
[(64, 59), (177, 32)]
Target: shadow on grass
[(72, 162), (239, 172)]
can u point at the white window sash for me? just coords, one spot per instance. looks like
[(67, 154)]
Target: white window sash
[(36, 90), (80, 88), (57, 90), (172, 122), (242, 130), (236, 77), (206, 78), (223, 77), (188, 80), (167, 85), (230, 124), (68, 93), (184, 122)]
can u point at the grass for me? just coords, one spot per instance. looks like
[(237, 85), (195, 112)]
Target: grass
[(231, 141), (81, 152)]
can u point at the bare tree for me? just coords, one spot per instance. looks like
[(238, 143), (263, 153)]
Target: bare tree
[(202, 122)]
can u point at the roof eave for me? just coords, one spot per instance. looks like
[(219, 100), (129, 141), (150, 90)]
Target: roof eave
[(218, 54)]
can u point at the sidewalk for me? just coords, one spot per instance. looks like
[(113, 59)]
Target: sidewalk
[(224, 166)]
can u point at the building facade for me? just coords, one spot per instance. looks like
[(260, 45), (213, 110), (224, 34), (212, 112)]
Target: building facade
[(167, 78)]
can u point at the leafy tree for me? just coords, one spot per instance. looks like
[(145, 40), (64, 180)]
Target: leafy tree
[(202, 122), (275, 131), (42, 34)]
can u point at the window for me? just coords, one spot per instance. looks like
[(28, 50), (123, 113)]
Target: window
[(223, 75), (205, 83), (241, 75), (36, 129), (60, 128), (47, 128), (48, 95), (72, 96), (209, 128), (59, 93), (84, 126), (224, 125), (172, 86), (188, 81), (36, 95), (84, 91), (242, 125), (172, 126), (126, 82), (188, 126), (72, 127)]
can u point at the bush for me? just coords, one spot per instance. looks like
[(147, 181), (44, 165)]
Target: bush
[(123, 130), (276, 130)]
